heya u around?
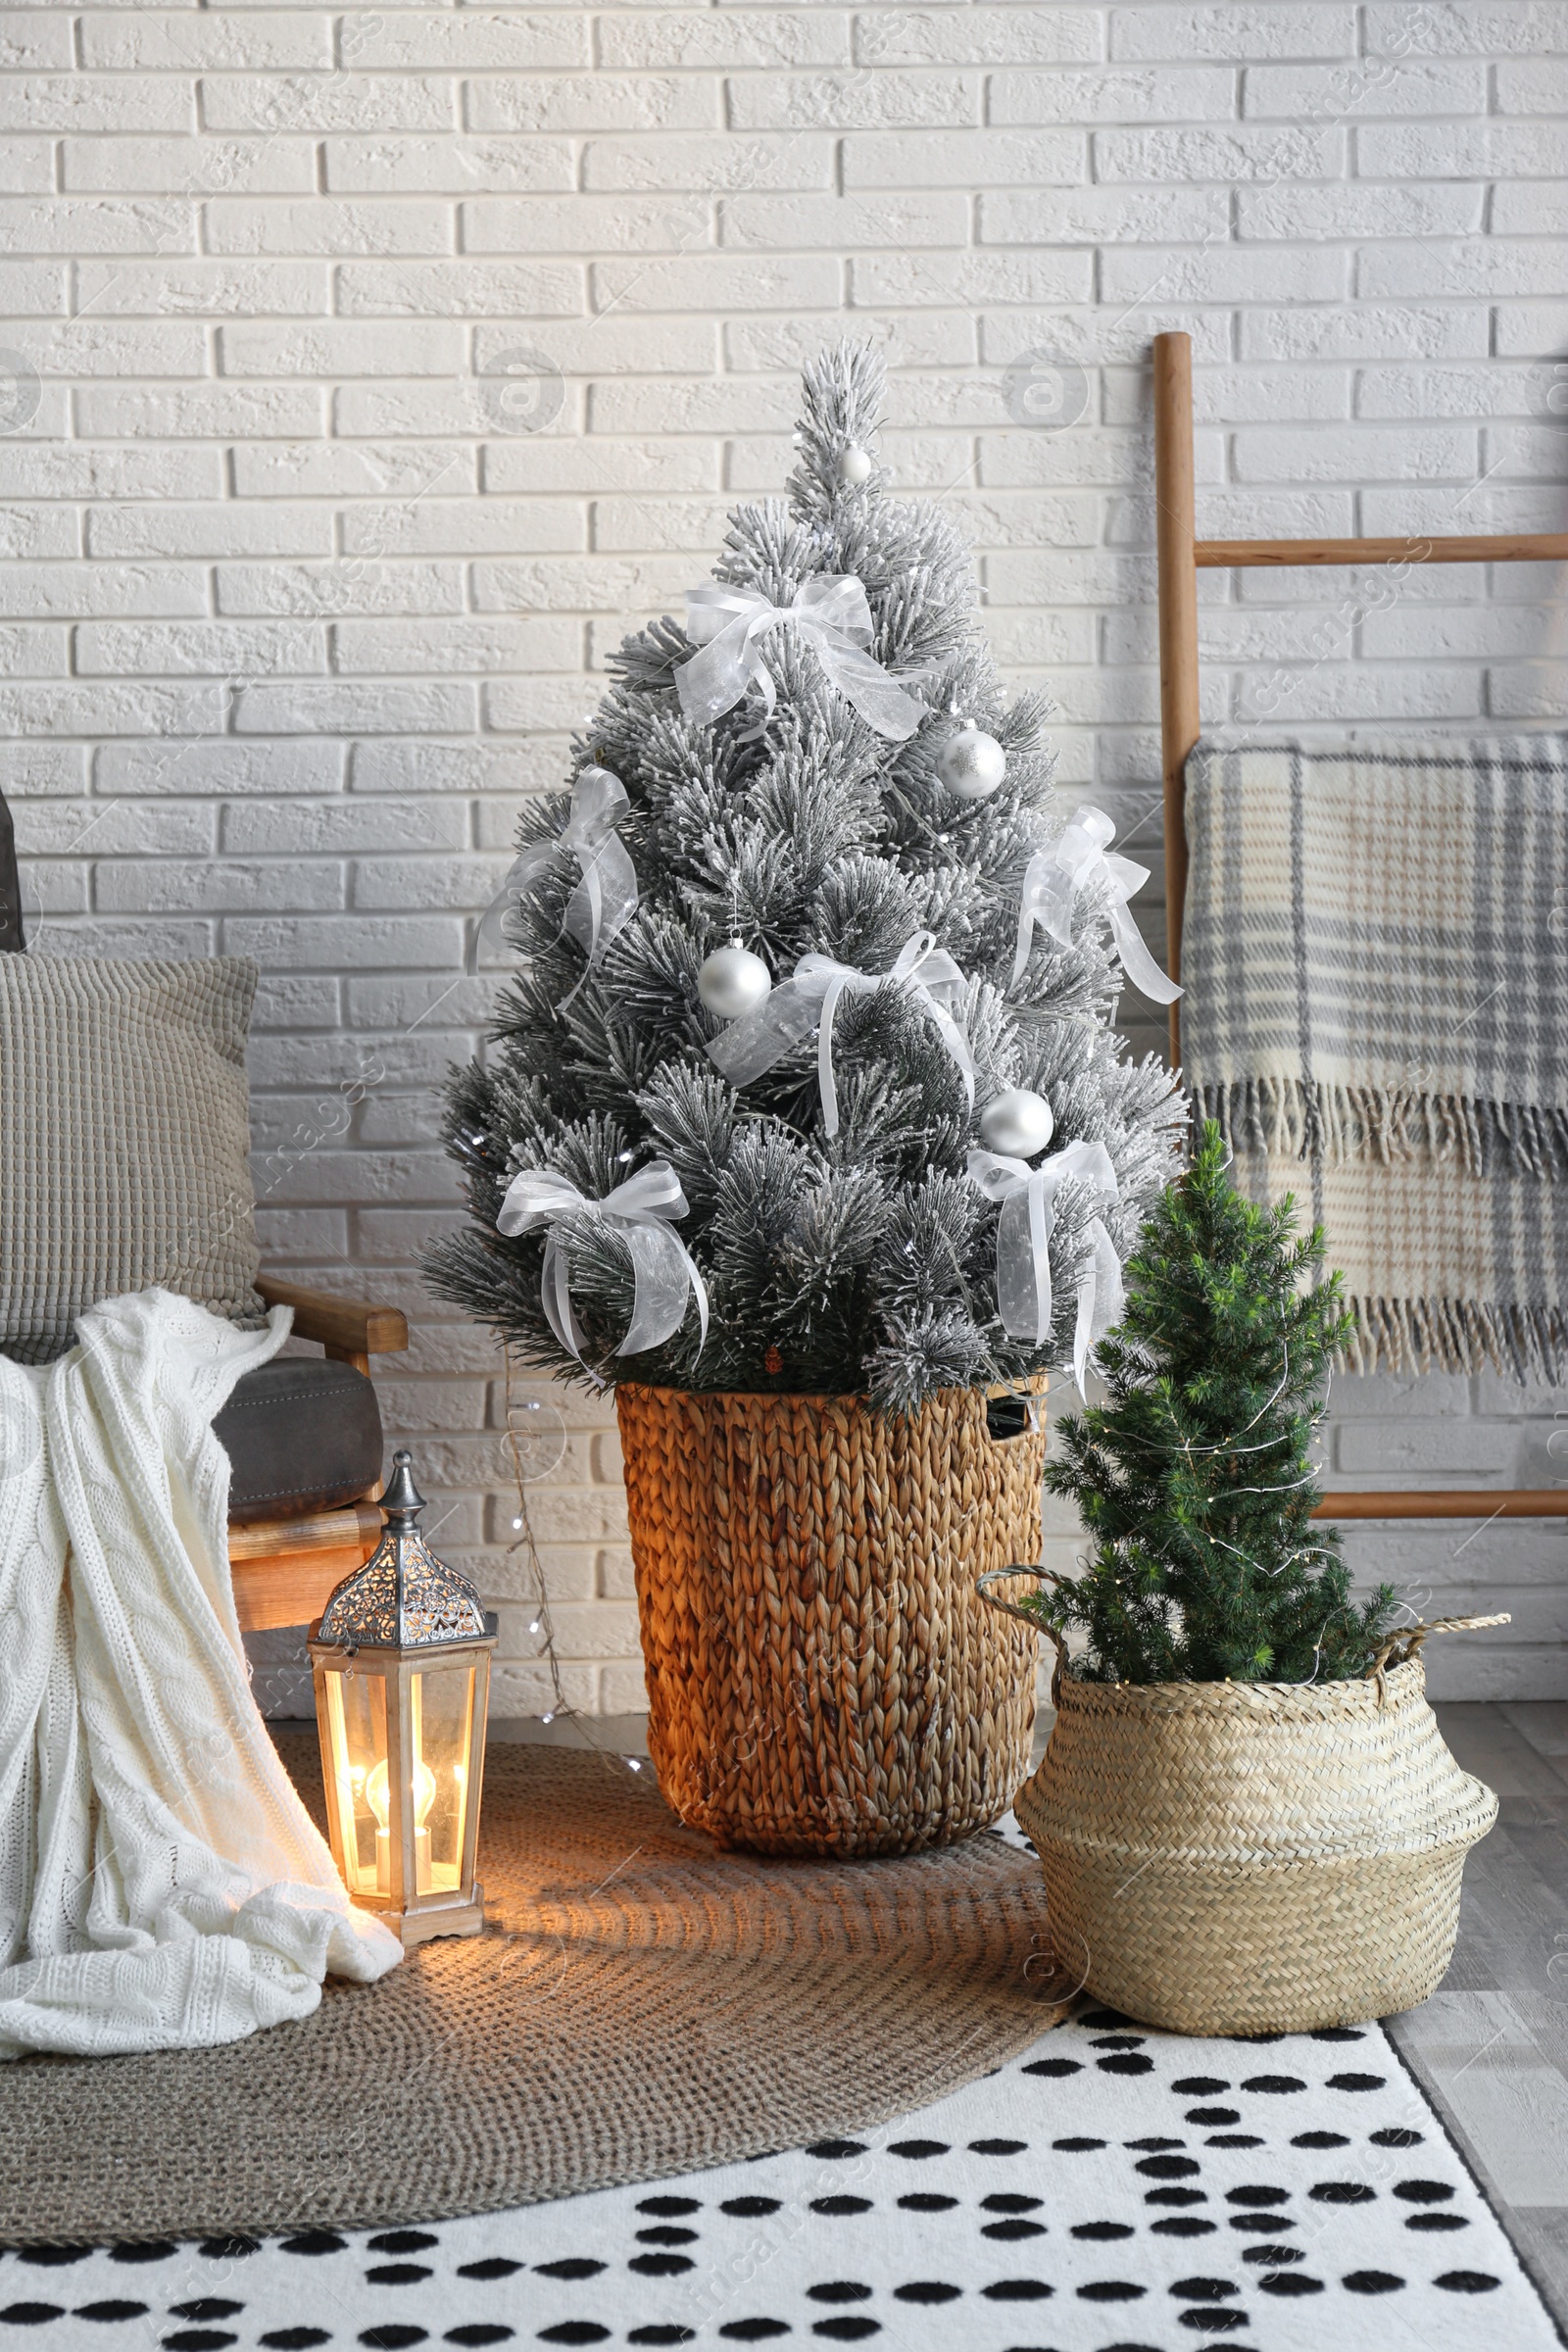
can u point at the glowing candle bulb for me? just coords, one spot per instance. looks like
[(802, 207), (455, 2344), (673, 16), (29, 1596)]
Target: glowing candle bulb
[(378, 1797)]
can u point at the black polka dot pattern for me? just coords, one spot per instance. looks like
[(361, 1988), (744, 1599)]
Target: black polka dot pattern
[(1211, 2193)]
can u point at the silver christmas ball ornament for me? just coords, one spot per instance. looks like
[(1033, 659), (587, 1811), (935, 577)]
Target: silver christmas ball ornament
[(972, 764), (1018, 1123), (854, 464), (732, 981)]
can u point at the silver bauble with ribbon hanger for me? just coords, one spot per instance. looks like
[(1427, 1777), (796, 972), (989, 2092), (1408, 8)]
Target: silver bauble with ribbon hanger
[(1018, 1123), (806, 1004), (856, 466), (971, 764), (733, 982)]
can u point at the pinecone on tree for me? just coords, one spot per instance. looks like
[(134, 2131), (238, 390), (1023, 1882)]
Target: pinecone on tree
[(824, 1198), (1194, 1478)]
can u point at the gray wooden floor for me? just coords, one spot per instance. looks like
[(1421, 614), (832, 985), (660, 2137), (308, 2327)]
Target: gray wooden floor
[(1490, 2048)]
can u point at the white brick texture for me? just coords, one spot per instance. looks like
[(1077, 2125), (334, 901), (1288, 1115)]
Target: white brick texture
[(309, 580)]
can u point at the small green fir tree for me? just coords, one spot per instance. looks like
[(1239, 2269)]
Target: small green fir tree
[(1193, 1479)]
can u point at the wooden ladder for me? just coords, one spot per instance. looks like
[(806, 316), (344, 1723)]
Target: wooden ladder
[(1182, 555)]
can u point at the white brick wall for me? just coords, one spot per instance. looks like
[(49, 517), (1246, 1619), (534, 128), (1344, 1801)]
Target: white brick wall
[(289, 626)]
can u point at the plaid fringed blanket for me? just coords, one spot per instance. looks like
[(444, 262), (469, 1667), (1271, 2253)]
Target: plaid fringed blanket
[(1375, 955)]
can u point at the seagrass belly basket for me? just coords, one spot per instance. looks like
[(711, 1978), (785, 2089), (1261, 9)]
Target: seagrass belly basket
[(822, 1676), (1254, 1857)]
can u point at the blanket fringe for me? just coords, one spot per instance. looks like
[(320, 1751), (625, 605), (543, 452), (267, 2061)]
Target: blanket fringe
[(1294, 1118), (1456, 1334)]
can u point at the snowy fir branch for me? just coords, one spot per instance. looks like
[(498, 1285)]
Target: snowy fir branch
[(862, 1261)]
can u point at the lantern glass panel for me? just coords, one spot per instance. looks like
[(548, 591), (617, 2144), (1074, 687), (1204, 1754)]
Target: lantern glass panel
[(357, 1723), (441, 1712)]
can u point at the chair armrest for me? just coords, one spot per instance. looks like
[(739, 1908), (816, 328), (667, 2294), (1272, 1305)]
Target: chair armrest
[(343, 1325)]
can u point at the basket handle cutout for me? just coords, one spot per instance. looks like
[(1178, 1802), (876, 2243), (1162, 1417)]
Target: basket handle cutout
[(1019, 1411)]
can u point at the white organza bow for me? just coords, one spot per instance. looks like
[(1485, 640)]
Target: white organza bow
[(831, 610), (1028, 1198), (1056, 875), (810, 1001), (606, 898), (663, 1267)]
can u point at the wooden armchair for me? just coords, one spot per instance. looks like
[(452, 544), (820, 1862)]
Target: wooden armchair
[(293, 1438), (285, 1569)]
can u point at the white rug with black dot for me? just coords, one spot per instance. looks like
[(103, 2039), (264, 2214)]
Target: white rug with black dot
[(1113, 2190)]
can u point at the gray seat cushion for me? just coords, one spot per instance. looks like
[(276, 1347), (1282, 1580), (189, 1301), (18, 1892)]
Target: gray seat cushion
[(302, 1434), (11, 939)]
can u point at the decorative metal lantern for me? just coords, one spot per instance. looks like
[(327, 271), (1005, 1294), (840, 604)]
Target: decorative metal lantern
[(402, 1661)]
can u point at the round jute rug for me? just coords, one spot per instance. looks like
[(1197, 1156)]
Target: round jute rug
[(638, 2005)]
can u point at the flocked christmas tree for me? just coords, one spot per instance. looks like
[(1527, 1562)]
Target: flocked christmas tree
[(775, 993), (1194, 1478)]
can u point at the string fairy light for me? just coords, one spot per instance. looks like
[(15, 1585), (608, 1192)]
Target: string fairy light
[(1205, 1535), (561, 1708)]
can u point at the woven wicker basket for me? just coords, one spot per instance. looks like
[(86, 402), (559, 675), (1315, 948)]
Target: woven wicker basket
[(823, 1678), (1245, 1858)]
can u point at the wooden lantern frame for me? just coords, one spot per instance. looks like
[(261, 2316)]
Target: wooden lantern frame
[(403, 1615), (439, 1911)]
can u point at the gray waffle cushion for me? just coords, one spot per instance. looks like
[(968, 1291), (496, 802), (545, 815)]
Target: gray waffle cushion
[(124, 1139)]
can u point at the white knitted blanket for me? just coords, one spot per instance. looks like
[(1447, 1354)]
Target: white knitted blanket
[(161, 1885)]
